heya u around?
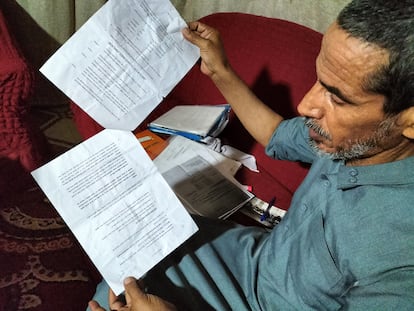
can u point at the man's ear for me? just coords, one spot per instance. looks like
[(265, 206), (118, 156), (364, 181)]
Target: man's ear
[(408, 118)]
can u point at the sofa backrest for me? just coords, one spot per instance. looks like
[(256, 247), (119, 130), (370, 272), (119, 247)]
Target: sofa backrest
[(276, 58)]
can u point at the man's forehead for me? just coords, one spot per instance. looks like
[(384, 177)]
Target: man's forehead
[(346, 62), (356, 50)]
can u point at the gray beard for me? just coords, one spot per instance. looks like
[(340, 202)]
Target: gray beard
[(359, 149)]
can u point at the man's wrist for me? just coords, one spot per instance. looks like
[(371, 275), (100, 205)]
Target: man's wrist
[(224, 76)]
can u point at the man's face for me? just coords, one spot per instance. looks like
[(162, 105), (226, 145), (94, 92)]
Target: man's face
[(345, 121)]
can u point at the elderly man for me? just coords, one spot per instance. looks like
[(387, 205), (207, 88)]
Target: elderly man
[(347, 241)]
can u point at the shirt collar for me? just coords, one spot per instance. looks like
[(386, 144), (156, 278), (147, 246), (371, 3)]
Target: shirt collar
[(392, 173)]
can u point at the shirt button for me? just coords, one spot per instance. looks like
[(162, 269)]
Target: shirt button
[(353, 172), (325, 180), (353, 180)]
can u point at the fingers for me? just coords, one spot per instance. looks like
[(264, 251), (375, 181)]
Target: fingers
[(136, 299), (199, 33), (198, 27), (94, 306), (193, 26), (207, 39), (116, 302), (133, 294), (192, 37), (132, 291)]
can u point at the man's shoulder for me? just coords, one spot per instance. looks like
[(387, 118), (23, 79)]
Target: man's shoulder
[(290, 141)]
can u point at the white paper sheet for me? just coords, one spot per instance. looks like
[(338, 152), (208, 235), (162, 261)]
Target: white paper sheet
[(202, 178), (121, 63), (248, 160), (181, 149), (117, 204), (204, 190)]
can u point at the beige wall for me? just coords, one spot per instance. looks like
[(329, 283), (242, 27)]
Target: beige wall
[(59, 18), (316, 14)]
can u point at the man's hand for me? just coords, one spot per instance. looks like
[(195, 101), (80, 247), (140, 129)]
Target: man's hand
[(136, 300), (207, 39), (259, 120)]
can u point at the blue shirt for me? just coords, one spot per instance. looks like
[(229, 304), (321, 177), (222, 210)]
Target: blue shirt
[(346, 242), (348, 237)]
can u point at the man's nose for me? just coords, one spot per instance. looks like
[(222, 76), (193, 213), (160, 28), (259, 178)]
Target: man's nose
[(311, 105)]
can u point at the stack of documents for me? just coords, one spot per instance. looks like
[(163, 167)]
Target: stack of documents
[(195, 122), (202, 178)]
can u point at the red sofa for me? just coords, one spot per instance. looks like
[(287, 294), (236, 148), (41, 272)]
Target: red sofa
[(277, 60)]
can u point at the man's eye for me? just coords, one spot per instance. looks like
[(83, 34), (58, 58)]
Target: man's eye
[(334, 99)]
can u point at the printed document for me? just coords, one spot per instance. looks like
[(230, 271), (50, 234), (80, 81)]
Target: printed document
[(117, 204), (121, 63), (180, 149), (202, 178), (204, 190)]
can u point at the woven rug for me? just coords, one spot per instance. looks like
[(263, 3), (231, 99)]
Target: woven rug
[(42, 265)]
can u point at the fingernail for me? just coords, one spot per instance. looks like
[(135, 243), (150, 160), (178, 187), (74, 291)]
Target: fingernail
[(129, 280)]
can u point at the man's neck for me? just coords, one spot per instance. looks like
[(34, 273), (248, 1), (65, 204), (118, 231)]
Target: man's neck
[(397, 153)]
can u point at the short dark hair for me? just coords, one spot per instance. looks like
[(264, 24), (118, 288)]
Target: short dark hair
[(389, 25)]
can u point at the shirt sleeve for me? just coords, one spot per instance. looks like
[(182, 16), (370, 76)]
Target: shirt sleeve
[(290, 141)]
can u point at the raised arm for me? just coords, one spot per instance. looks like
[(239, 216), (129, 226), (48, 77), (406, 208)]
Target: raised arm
[(256, 117)]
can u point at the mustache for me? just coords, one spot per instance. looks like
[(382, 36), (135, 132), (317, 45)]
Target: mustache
[(311, 123)]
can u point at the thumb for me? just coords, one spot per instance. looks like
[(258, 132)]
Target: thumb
[(135, 298), (192, 37), (132, 291)]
